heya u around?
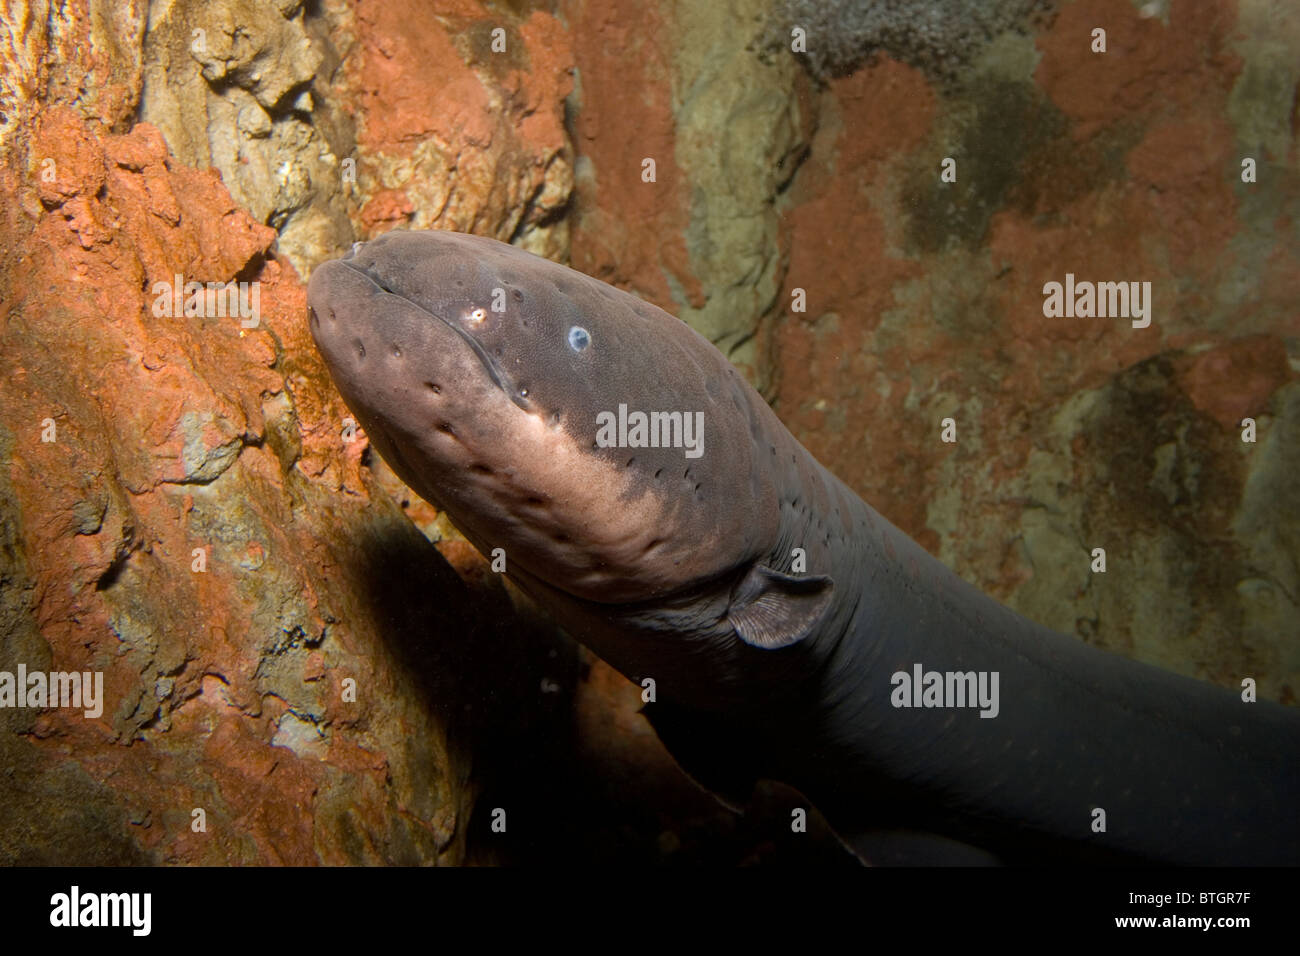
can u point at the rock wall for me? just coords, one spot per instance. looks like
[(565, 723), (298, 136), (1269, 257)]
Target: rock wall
[(925, 301), (292, 672), (726, 131)]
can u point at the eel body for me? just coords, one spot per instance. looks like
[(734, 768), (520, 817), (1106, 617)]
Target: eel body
[(790, 631)]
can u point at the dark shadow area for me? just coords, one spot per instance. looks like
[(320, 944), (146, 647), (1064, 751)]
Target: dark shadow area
[(505, 685), (478, 665)]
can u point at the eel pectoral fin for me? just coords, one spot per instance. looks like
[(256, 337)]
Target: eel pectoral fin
[(771, 609)]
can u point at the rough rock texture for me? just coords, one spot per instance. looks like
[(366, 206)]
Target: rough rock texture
[(87, 53), (925, 301), (726, 132), (225, 688), (495, 160), (201, 532), (230, 84), (940, 37), (320, 121)]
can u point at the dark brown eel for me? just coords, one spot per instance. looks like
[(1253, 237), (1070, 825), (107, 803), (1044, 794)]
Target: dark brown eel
[(479, 371)]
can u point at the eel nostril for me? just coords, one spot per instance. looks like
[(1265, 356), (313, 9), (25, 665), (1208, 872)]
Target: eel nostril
[(311, 316), (361, 348)]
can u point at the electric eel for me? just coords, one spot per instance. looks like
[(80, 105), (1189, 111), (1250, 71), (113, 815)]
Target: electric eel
[(791, 632)]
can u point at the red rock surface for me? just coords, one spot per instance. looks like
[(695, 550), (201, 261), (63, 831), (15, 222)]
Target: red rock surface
[(112, 511), (628, 232), (1256, 367), (840, 256), (451, 133), (227, 690), (1122, 166)]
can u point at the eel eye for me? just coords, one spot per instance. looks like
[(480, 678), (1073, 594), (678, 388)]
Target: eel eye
[(478, 315), (579, 338)]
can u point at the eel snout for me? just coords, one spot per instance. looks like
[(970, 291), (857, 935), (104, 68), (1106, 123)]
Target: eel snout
[(488, 378)]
